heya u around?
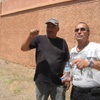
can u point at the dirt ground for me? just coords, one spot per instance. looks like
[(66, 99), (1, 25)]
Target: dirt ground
[(16, 82)]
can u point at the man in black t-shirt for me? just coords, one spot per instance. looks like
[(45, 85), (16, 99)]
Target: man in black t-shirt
[(51, 54)]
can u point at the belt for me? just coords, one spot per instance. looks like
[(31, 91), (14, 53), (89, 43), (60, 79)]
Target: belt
[(86, 90)]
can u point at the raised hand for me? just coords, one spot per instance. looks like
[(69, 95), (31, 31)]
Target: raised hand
[(34, 33)]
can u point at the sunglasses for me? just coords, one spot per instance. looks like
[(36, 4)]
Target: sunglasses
[(81, 29)]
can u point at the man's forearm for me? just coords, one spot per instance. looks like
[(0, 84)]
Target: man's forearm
[(25, 45)]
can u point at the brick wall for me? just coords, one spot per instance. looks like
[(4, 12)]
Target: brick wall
[(15, 26)]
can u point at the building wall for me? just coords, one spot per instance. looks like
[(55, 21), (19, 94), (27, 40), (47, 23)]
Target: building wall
[(15, 26), (11, 6)]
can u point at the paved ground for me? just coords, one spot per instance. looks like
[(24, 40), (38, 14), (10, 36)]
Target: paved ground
[(16, 82)]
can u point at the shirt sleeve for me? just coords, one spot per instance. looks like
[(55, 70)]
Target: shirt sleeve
[(34, 43)]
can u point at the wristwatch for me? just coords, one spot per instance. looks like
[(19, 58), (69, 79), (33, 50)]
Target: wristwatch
[(91, 63)]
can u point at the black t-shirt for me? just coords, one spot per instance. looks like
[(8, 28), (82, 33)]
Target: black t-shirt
[(51, 55)]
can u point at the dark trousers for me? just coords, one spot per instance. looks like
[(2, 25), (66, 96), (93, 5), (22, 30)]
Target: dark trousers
[(85, 94)]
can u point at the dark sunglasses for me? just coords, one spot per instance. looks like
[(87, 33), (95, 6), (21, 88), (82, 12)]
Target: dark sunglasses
[(81, 29)]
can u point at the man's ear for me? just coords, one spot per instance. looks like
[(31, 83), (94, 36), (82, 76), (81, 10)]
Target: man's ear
[(88, 34), (58, 29)]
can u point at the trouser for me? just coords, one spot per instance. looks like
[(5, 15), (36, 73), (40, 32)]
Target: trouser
[(85, 93), (56, 92)]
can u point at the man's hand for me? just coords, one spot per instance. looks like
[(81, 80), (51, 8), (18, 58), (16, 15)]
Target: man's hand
[(81, 63), (66, 80), (34, 33), (65, 77)]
